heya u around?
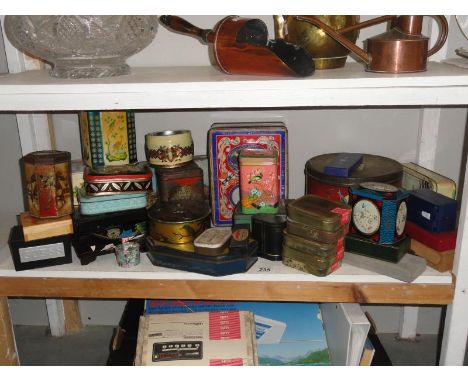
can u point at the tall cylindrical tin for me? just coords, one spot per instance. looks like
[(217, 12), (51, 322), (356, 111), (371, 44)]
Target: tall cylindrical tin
[(48, 183), (108, 138), (373, 168), (259, 189)]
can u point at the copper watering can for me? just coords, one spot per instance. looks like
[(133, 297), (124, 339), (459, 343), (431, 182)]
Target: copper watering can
[(402, 49), (240, 45)]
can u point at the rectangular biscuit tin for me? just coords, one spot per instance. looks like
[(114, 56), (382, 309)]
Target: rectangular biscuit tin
[(439, 241), (117, 179), (225, 141), (93, 205), (416, 177), (320, 213)]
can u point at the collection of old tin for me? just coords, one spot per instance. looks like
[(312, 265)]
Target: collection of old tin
[(353, 202)]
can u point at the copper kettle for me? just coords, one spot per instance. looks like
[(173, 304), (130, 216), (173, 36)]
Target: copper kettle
[(402, 49)]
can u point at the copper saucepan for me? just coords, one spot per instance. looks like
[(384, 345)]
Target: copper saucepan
[(241, 46)]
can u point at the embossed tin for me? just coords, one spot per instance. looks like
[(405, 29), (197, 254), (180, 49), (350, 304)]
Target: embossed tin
[(169, 148), (180, 183), (108, 138), (48, 185), (325, 251), (117, 179), (320, 213), (373, 168), (213, 241), (93, 205), (178, 222)]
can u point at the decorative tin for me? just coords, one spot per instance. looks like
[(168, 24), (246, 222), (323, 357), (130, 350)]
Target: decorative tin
[(225, 141), (416, 177), (181, 183), (303, 262), (324, 251), (373, 168), (169, 148), (38, 253), (212, 241), (108, 138), (267, 229), (77, 171), (178, 222), (93, 205), (97, 235), (439, 241), (220, 265), (379, 211), (311, 233), (388, 252), (431, 210), (258, 178), (117, 179), (48, 183), (439, 260), (319, 213), (127, 254)]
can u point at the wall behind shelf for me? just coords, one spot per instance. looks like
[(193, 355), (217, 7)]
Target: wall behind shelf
[(390, 132)]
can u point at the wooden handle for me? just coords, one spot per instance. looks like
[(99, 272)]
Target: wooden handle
[(180, 25)]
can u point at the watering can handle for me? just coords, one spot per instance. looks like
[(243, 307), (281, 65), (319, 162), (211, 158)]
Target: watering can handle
[(180, 25), (443, 32)]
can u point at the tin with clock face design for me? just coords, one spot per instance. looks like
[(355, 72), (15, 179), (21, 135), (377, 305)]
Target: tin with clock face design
[(379, 211)]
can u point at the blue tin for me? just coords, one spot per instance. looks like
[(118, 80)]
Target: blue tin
[(343, 164), (93, 205), (379, 212), (432, 211)]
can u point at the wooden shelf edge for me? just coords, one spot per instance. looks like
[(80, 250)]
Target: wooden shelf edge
[(364, 293)]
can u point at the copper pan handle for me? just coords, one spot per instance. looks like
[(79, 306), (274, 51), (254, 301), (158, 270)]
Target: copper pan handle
[(443, 32), (180, 25)]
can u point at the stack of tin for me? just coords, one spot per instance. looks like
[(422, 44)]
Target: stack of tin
[(181, 212), (114, 188), (314, 234)]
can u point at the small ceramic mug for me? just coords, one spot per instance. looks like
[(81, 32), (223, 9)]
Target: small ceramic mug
[(169, 148)]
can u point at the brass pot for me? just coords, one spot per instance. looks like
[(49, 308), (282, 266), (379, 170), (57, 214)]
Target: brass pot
[(327, 53)]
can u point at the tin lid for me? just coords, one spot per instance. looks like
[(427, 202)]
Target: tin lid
[(179, 211), (258, 156), (326, 212), (47, 157), (374, 168)]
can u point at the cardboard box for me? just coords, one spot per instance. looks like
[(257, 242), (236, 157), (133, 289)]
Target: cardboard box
[(287, 333)]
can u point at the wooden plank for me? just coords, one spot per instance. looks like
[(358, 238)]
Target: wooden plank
[(8, 352), (382, 293), (72, 316)]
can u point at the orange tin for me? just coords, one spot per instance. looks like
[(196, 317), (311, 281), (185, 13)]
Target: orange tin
[(259, 185)]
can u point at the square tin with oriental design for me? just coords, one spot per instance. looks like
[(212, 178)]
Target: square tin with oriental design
[(108, 138), (225, 141)]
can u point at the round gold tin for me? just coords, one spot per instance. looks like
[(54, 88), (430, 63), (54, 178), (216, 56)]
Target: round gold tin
[(169, 148), (178, 223)]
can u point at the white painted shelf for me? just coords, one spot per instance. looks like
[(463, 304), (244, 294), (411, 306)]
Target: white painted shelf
[(205, 87), (105, 267)]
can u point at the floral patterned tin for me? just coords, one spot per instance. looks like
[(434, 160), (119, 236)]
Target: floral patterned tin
[(117, 179), (225, 141), (108, 138), (259, 189), (48, 183), (169, 148)]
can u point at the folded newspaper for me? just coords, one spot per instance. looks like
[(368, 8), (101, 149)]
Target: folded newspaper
[(205, 339)]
